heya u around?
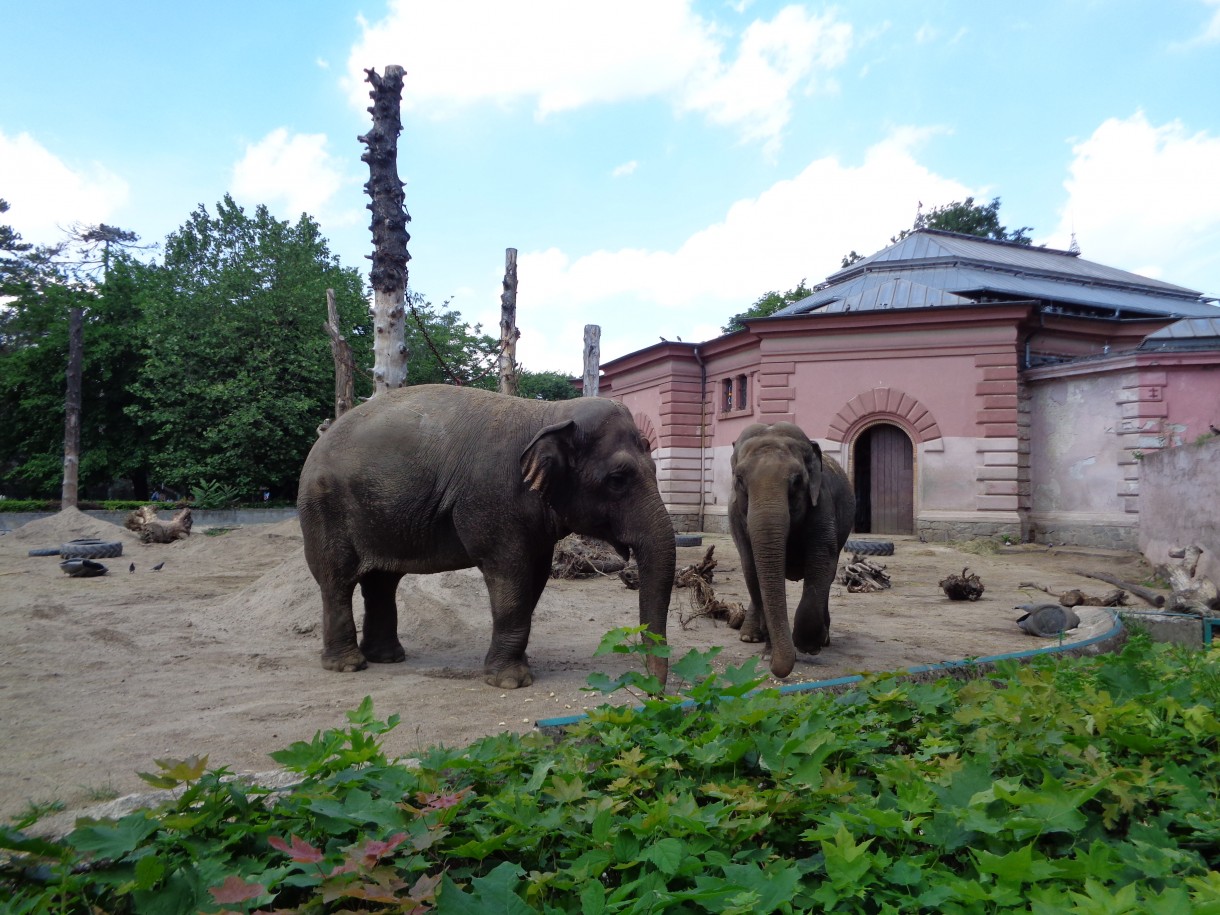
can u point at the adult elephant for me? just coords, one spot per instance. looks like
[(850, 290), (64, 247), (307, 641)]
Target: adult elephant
[(790, 513), (433, 478)]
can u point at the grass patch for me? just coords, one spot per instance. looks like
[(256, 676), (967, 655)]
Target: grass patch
[(979, 546)]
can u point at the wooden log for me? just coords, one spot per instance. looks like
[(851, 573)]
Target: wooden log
[(1192, 593), (508, 325), (72, 408), (151, 529), (389, 227), (1145, 594), (341, 353), (593, 353)]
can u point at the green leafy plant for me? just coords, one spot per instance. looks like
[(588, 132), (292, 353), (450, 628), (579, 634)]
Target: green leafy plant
[(212, 494), (1068, 785)]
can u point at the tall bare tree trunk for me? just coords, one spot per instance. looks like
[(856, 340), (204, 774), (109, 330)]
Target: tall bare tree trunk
[(76, 346), (341, 353), (593, 355), (389, 227), (508, 325)]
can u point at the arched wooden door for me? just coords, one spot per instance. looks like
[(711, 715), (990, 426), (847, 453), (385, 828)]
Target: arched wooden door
[(884, 466)]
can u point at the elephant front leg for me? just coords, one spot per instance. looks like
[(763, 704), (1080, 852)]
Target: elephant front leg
[(811, 624), (754, 625), (380, 639), (514, 592)]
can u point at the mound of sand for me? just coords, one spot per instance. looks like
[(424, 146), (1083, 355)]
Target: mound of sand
[(70, 524), (441, 611)]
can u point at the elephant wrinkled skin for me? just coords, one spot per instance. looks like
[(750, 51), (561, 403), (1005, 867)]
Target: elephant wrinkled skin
[(790, 512), (433, 478)]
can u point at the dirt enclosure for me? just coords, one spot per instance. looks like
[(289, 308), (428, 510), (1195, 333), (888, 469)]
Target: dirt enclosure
[(217, 653)]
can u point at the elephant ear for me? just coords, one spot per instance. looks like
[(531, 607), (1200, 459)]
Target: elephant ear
[(547, 457), (813, 467)]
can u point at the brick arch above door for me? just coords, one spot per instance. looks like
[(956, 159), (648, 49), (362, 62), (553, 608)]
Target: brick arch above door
[(884, 404)]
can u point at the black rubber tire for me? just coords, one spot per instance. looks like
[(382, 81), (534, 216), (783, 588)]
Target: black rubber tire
[(688, 540), (870, 547), (51, 551), (91, 549), (83, 568)]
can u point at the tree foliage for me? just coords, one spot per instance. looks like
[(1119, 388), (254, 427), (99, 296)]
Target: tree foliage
[(964, 217), (546, 386), (237, 373), (210, 368), (768, 304), (40, 286), (445, 349)]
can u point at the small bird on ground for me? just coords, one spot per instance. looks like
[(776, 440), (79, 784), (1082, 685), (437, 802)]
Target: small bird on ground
[(133, 567), (157, 567)]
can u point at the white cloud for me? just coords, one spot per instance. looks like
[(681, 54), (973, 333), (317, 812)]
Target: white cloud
[(798, 228), (627, 168), (293, 174), (1211, 31), (557, 55), (1145, 198), (774, 60), (46, 193)]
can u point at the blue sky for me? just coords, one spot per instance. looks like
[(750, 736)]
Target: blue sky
[(659, 164)]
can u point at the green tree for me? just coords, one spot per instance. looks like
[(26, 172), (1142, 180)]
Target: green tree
[(964, 217), (41, 285), (546, 386), (444, 349), (768, 304), (238, 373)]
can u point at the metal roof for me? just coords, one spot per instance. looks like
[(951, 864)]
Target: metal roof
[(930, 269), (1185, 334)]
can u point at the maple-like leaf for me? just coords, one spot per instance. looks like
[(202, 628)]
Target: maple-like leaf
[(439, 801), (299, 851), (236, 890), (373, 851)]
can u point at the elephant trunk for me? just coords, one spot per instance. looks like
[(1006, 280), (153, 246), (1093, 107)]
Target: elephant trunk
[(768, 524), (653, 545)]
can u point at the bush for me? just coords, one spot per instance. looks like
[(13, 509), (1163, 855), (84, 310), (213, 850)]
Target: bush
[(29, 505), (1070, 785)]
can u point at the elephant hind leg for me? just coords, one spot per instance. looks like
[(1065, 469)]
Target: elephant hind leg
[(339, 649), (380, 643)]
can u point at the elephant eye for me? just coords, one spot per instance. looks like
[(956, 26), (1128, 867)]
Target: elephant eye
[(618, 479)]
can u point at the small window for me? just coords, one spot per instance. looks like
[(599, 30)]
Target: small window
[(727, 388), (743, 393)]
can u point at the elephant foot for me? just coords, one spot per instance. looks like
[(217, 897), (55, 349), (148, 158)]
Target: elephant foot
[(344, 662), (511, 677), (752, 634), (812, 647), (384, 654)]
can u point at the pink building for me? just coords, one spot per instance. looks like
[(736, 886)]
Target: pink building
[(969, 388)]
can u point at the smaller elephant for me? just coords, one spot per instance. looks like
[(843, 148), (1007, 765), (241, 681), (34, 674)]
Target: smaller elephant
[(790, 514)]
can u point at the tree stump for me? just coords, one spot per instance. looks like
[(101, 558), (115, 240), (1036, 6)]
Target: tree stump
[(1192, 593), (966, 586), (151, 529)]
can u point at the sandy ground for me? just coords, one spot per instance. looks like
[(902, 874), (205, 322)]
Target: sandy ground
[(217, 653)]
